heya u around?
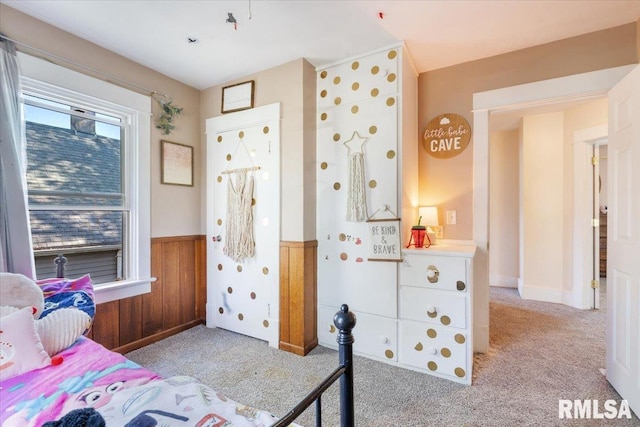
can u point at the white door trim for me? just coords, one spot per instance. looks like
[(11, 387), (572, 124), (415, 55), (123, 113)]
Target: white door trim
[(581, 295), (587, 85)]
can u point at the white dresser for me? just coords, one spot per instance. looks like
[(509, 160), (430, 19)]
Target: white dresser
[(435, 311)]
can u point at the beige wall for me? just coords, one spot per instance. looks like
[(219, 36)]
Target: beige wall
[(448, 183), (293, 85), (504, 218), (175, 210)]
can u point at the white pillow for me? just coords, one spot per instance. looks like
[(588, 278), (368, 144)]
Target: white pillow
[(61, 328), (20, 347), (7, 309)]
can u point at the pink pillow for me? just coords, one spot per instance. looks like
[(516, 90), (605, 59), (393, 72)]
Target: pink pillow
[(20, 347)]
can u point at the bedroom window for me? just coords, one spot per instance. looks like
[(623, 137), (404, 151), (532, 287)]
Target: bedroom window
[(88, 182)]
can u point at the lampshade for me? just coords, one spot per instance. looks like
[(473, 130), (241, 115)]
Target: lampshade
[(429, 215)]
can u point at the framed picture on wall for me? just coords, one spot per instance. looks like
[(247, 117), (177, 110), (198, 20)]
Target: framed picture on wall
[(384, 240), (176, 164), (238, 97)]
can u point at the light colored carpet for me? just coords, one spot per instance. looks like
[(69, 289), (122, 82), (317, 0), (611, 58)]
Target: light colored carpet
[(540, 353)]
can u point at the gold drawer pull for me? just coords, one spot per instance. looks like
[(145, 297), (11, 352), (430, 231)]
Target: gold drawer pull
[(432, 274)]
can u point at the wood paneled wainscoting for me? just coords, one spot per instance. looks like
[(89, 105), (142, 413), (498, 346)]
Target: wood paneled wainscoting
[(176, 301), (298, 296)]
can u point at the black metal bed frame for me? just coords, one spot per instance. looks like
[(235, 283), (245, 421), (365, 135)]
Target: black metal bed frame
[(345, 321)]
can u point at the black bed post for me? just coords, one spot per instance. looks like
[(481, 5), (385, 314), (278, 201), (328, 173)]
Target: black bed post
[(345, 321)]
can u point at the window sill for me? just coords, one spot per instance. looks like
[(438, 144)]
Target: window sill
[(124, 289)]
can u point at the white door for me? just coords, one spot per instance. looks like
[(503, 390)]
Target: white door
[(623, 240), (243, 293)]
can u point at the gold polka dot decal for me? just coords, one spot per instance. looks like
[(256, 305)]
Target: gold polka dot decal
[(219, 138), (265, 323), (323, 165), (355, 65), (241, 134), (391, 77), (391, 101), (460, 339), (374, 92), (392, 54), (265, 130), (375, 69), (373, 129), (323, 116), (239, 268), (323, 75), (460, 372), (431, 333), (388, 354), (460, 285), (336, 137), (253, 295), (336, 186), (219, 221), (265, 270), (355, 86), (432, 314), (332, 329), (220, 310), (323, 93), (228, 157), (373, 183), (337, 101), (336, 80), (432, 366), (391, 154), (230, 289), (220, 267), (419, 347), (344, 256), (253, 202), (342, 237), (219, 178), (240, 316), (445, 352), (445, 320), (355, 109)]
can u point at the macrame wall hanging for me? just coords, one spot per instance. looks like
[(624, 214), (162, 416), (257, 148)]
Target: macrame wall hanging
[(357, 197), (239, 240)]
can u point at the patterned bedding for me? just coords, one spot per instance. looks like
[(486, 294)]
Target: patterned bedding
[(122, 391)]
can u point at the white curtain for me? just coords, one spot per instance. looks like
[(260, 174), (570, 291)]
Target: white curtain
[(16, 251)]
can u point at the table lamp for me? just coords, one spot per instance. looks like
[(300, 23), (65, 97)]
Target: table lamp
[(429, 215)]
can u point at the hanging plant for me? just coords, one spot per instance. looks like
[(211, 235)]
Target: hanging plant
[(169, 113)]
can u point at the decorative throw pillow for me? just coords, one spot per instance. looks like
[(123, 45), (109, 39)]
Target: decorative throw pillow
[(62, 328), (20, 347), (7, 309), (63, 293), (17, 290)]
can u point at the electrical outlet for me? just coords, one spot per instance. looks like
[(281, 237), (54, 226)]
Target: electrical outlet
[(451, 217)]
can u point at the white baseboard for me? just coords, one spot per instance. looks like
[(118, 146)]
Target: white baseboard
[(542, 294), (503, 281)]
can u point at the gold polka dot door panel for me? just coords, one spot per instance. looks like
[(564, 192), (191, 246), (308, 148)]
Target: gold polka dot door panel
[(242, 293), (371, 134), (357, 174)]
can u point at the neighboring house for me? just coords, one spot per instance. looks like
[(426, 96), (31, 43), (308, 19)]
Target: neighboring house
[(57, 162)]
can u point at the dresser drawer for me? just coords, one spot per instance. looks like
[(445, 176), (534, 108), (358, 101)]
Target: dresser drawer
[(375, 336), (433, 306), (434, 272), (436, 349)]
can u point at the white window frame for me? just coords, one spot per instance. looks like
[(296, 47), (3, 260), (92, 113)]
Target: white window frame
[(47, 80)]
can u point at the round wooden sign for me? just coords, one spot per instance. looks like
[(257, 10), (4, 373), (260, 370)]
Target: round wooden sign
[(446, 136)]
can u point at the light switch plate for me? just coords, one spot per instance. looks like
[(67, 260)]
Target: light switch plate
[(451, 217)]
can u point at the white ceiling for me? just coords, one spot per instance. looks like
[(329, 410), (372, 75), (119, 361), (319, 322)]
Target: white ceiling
[(438, 33)]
